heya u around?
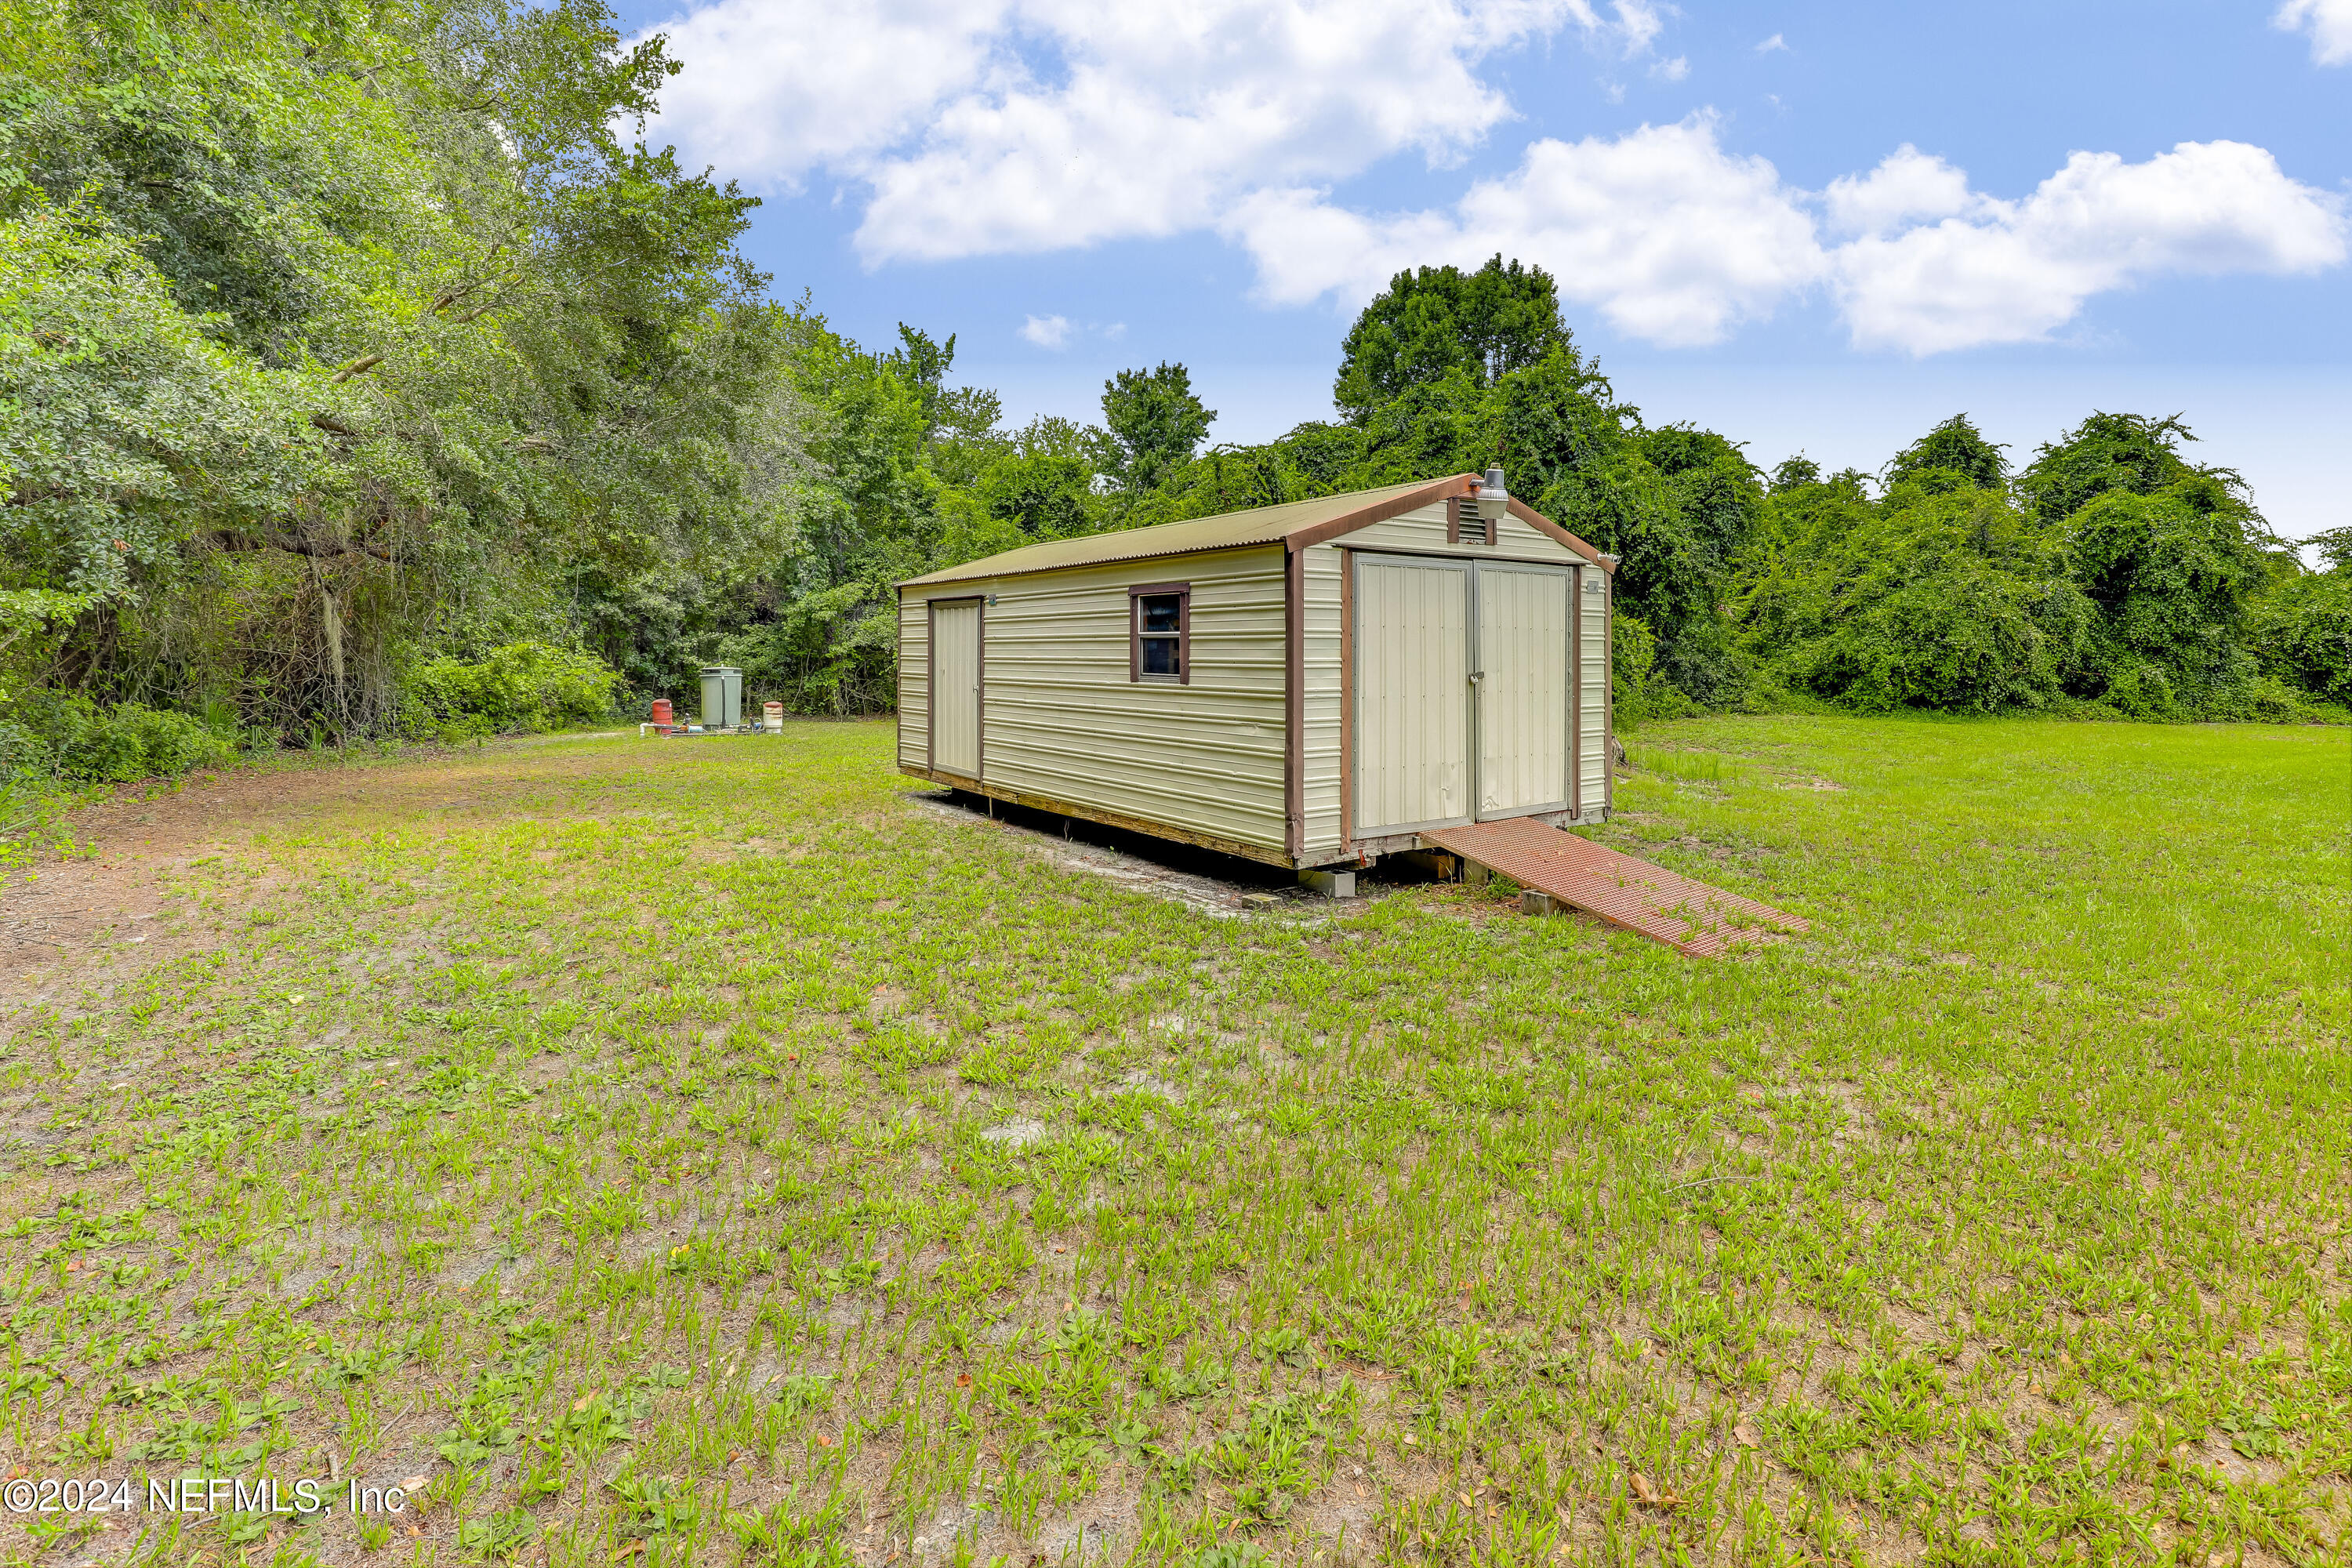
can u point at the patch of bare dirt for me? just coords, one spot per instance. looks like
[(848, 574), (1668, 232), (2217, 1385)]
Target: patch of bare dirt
[(58, 915), (74, 917)]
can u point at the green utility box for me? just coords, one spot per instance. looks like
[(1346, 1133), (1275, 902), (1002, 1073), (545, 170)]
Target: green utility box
[(722, 697)]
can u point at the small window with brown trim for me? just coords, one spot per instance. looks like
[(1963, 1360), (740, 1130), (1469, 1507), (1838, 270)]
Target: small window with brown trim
[(1159, 633)]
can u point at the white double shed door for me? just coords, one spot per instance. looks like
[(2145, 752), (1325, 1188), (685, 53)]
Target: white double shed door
[(1464, 691)]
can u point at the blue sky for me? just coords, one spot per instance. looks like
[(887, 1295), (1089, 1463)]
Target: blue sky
[(1814, 226)]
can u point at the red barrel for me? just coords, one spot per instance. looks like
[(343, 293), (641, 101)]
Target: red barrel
[(661, 712)]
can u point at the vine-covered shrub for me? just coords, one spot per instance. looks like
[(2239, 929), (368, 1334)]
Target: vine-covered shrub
[(523, 687), (50, 736), (2170, 579), (1949, 600), (1638, 690), (2301, 633)]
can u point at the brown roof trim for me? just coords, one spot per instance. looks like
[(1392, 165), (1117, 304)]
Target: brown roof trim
[(961, 587), (1254, 526), (1543, 524), (1446, 489), (1395, 506)]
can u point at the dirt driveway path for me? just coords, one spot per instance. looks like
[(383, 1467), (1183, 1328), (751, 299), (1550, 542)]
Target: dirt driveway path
[(76, 919), (68, 923)]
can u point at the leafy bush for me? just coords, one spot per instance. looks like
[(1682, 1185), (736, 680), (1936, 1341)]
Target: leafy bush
[(1638, 692), (2107, 453), (2301, 633), (1952, 601), (526, 686), (53, 735), (1953, 456), (2264, 699), (1965, 635), (2171, 574), (830, 652), (1678, 510)]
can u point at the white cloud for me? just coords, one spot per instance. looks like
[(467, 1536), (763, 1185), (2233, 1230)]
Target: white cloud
[(1115, 331), (2329, 22), (1669, 237), (772, 92), (973, 127), (1907, 186), (1637, 25), (1675, 241), (1671, 71), (1170, 112), (1048, 331), (1992, 272), (994, 126)]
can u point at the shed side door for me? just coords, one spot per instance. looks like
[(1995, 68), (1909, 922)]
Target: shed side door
[(1411, 683), (955, 687), (1523, 688)]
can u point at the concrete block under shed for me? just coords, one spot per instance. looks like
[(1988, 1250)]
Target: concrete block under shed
[(1330, 884)]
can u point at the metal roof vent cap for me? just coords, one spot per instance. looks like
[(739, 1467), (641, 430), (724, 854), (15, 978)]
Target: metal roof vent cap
[(1492, 492)]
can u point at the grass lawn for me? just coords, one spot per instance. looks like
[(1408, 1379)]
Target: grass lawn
[(705, 1152)]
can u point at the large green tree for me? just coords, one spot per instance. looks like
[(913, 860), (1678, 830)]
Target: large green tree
[(1433, 321), (1155, 423), (502, 354), (2301, 634)]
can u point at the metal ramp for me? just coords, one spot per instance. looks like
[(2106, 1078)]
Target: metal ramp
[(1690, 916)]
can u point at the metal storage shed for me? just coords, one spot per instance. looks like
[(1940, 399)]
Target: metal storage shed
[(1312, 684)]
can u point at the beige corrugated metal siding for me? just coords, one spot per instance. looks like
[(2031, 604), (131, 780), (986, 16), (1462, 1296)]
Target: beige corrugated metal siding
[(914, 682), (1592, 694), (1425, 529), (1523, 692), (1063, 721), (1413, 649), (955, 688), (1321, 799)]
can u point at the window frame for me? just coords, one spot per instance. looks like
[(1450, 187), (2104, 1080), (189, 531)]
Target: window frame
[(1135, 634)]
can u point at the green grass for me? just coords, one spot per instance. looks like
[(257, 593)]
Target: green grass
[(696, 1153)]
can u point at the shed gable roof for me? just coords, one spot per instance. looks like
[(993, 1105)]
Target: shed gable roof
[(1297, 523)]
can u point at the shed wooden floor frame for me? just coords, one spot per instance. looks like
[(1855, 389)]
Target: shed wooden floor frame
[(1118, 819), (1690, 916)]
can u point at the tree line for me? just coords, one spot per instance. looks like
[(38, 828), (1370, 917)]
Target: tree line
[(360, 374)]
